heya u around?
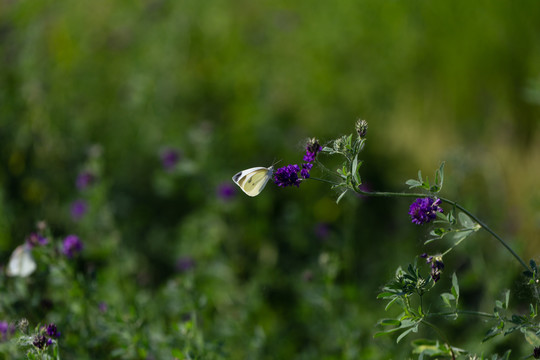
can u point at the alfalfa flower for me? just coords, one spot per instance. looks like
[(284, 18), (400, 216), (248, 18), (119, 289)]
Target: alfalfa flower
[(312, 149), (437, 265), (287, 176), (52, 331), (424, 210), (71, 246), (361, 128), (41, 342)]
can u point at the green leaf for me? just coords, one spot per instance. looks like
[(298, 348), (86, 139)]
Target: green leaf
[(341, 196), (177, 353), (439, 176), (491, 333), (355, 171), (531, 337), (448, 298), (390, 303), (385, 295), (389, 322), (533, 265), (406, 332), (507, 299), (420, 176), (457, 236), (413, 183), (466, 221), (455, 287)]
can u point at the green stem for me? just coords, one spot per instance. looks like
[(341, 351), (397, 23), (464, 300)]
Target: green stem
[(448, 201), (465, 312), (453, 203)]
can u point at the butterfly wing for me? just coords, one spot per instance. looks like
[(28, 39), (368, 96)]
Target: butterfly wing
[(21, 263), (252, 181)]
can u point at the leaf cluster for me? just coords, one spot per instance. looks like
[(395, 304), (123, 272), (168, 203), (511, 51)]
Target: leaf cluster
[(349, 173), (425, 183)]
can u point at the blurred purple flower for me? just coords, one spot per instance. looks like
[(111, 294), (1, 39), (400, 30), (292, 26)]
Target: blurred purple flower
[(226, 191), (35, 239), (85, 179), (78, 209), (185, 263), (322, 231), (103, 307), (169, 158), (71, 246), (52, 331), (6, 330)]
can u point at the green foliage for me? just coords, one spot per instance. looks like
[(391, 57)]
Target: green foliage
[(289, 275)]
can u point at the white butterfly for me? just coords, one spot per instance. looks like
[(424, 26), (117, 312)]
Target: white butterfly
[(21, 263), (252, 181)]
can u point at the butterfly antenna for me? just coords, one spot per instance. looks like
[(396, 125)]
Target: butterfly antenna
[(275, 162)]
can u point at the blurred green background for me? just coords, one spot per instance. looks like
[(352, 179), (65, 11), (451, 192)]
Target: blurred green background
[(106, 86)]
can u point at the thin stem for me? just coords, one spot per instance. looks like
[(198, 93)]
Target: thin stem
[(465, 312), (482, 224), (488, 229), (324, 180), (448, 201)]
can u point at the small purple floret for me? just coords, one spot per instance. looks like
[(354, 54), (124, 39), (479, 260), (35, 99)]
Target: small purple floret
[(424, 210)]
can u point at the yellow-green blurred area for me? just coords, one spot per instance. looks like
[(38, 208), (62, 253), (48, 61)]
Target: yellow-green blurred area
[(105, 86)]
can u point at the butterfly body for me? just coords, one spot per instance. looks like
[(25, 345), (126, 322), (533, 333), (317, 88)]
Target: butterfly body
[(253, 180)]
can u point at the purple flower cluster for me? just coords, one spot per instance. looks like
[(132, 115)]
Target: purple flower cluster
[(6, 330), (424, 210), (71, 246), (437, 266), (35, 239), (288, 175), (46, 336)]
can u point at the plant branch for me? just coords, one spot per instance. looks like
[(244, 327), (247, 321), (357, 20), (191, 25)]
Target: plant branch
[(453, 203)]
